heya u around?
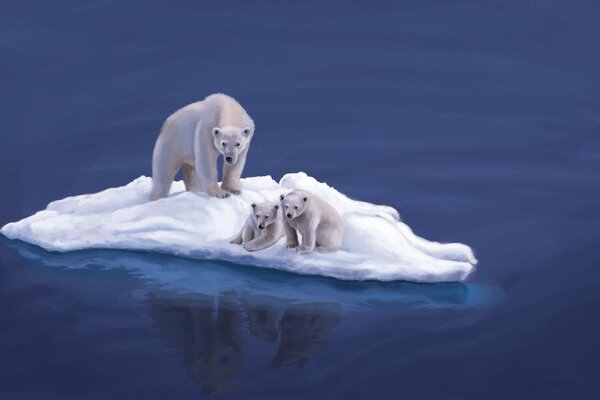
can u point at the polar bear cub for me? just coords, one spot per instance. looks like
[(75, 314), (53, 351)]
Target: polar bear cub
[(263, 229), (193, 138), (318, 223)]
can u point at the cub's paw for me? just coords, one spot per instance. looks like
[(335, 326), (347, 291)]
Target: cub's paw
[(291, 245), (303, 250), (249, 247), (235, 241)]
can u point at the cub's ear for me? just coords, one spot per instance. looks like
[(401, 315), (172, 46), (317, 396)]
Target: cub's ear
[(246, 132), (253, 205), (281, 197), (216, 132), (306, 198), (276, 207)]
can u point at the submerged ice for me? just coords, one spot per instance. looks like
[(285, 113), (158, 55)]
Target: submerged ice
[(376, 245)]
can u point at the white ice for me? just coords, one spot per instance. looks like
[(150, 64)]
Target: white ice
[(376, 245)]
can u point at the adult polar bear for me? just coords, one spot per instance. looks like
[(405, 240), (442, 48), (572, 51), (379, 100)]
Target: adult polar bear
[(193, 138)]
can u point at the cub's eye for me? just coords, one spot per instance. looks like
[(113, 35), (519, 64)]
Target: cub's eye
[(257, 216), (238, 144), (267, 217), (286, 206), (224, 144), (295, 208)]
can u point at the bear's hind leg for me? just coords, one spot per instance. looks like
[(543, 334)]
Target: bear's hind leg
[(245, 235), (325, 249), (190, 179), (162, 179), (238, 238), (329, 238)]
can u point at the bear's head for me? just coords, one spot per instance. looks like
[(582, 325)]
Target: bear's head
[(264, 214), (231, 141), (294, 204)]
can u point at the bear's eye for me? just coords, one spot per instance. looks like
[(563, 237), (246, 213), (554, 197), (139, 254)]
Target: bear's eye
[(224, 144), (295, 208), (257, 216), (267, 217), (237, 144)]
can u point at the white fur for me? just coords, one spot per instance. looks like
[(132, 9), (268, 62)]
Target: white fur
[(318, 223), (193, 138), (263, 228)]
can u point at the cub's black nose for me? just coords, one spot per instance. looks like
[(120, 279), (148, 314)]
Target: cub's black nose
[(289, 215), (261, 227), (228, 159)]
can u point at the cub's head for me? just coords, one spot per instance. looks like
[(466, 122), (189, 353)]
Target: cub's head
[(265, 213), (294, 204), (231, 141)]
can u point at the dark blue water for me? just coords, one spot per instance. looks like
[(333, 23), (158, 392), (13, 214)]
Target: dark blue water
[(478, 120)]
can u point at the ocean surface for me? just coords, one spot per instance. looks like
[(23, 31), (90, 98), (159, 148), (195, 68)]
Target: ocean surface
[(479, 121)]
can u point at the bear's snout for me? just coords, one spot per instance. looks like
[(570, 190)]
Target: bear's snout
[(229, 159), (289, 215), (261, 227)]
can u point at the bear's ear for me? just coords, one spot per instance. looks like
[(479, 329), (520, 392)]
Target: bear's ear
[(253, 205), (281, 197), (246, 132), (276, 207), (216, 132), (306, 198)]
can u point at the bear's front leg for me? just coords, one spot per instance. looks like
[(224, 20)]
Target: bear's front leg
[(206, 169), (309, 239), (230, 183), (213, 188), (260, 243), (291, 236), (232, 174), (215, 191)]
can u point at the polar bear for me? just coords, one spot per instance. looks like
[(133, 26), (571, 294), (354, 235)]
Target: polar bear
[(318, 223), (263, 229), (193, 138)]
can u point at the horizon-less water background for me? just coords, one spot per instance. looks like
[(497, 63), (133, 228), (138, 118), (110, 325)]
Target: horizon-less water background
[(478, 120)]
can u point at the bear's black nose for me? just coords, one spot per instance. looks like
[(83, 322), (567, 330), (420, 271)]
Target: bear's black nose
[(261, 227), (289, 215), (228, 159)]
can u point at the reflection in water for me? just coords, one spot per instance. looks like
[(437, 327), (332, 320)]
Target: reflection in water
[(263, 313), (211, 278), (209, 340), (208, 332), (304, 330), (215, 314)]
